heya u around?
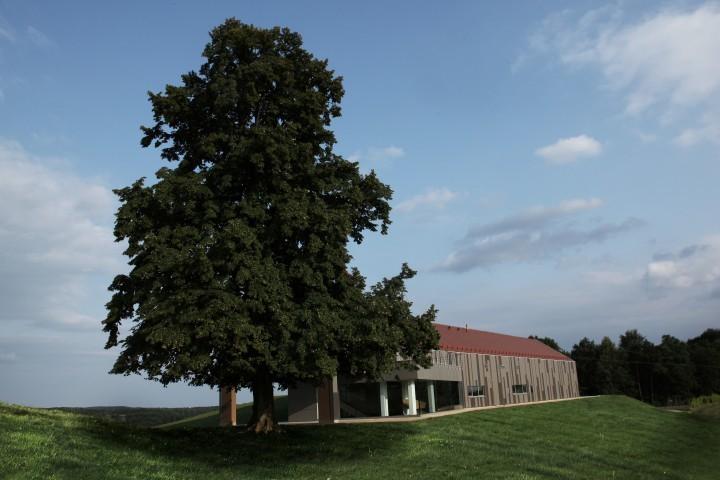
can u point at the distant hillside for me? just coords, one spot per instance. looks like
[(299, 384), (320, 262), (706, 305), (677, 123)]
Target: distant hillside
[(190, 417), (605, 437), (144, 417)]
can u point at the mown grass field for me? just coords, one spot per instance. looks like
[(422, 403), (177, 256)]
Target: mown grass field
[(605, 437)]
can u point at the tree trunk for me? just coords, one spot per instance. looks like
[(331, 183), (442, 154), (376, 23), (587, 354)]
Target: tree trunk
[(263, 412)]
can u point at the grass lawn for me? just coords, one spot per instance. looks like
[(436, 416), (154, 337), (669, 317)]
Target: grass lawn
[(711, 410), (606, 437)]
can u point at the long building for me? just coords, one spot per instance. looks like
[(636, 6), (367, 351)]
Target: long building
[(472, 368)]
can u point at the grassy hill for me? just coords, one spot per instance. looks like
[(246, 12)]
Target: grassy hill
[(606, 437)]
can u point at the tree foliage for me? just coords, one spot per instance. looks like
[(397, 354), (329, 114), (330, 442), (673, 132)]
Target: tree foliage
[(670, 372), (674, 371), (550, 342), (704, 352), (239, 251)]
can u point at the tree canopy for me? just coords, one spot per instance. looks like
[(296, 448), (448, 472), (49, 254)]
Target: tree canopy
[(239, 250), (550, 342), (669, 372)]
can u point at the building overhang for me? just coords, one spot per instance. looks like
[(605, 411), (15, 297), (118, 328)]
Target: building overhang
[(446, 373)]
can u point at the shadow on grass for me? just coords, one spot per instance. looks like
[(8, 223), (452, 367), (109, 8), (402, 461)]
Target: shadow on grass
[(234, 448)]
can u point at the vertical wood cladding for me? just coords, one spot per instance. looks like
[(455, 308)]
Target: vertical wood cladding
[(497, 374)]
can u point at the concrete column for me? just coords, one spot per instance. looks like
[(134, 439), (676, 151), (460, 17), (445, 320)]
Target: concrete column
[(384, 407), (228, 407), (431, 396), (404, 388), (412, 400)]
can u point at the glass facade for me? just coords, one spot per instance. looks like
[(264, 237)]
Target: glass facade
[(395, 398), (421, 395), (359, 400), (362, 399), (447, 395)]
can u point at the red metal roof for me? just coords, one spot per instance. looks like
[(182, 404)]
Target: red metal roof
[(461, 339)]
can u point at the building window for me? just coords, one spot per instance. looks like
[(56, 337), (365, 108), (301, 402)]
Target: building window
[(447, 395), (519, 389), (359, 400), (476, 390)]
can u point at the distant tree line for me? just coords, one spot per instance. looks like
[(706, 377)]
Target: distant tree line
[(670, 372)]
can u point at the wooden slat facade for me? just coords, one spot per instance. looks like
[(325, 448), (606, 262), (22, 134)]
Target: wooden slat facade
[(545, 379), (537, 378)]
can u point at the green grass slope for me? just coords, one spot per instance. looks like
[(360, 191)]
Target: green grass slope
[(210, 419), (711, 410), (606, 437)]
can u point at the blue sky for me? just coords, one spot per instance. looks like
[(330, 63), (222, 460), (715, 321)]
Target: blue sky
[(554, 164)]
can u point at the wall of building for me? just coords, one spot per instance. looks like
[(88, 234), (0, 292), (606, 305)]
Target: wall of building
[(546, 379)]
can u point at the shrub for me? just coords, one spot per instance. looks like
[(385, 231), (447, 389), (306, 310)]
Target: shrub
[(704, 400)]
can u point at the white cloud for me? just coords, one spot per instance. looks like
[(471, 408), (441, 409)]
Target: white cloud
[(707, 131), (537, 234), (8, 357), (378, 155), (569, 150), (385, 153), (579, 204), (6, 34), (646, 137), (669, 57), (6, 31), (666, 60), (434, 199), (693, 266), (57, 249), (39, 38), (610, 277), (536, 217)]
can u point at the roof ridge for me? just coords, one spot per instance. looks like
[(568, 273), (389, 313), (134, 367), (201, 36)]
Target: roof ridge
[(468, 329), (493, 343)]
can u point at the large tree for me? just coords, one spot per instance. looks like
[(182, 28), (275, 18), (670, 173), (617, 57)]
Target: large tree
[(601, 367), (640, 360), (239, 251), (705, 355), (550, 342), (674, 373), (586, 354)]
